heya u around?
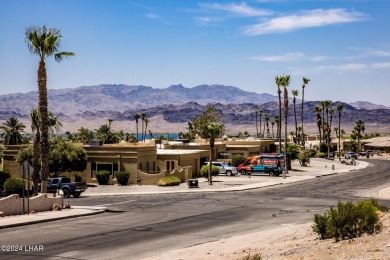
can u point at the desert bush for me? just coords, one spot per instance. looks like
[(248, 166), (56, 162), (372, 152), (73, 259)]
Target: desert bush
[(349, 220), (252, 257), (321, 155), (103, 177), (122, 177), (204, 171), (304, 157), (169, 181), (15, 186), (237, 159)]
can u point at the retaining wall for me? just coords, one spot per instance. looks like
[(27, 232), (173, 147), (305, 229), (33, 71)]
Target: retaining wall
[(13, 205)]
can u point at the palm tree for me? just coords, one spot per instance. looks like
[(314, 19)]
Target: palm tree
[(272, 126), (285, 84), (146, 120), (279, 81), (110, 120), (323, 119), (305, 82), (45, 43), (318, 109), (331, 112), (359, 128), (12, 129), (260, 113), (257, 127), (143, 115), (136, 116), (213, 130), (277, 122), (339, 108), (266, 119), (295, 94), (326, 104)]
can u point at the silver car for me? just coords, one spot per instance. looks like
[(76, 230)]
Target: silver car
[(224, 168)]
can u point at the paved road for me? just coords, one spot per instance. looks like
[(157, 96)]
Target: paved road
[(138, 226)]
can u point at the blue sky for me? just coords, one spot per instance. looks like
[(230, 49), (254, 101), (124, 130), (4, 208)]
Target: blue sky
[(342, 46)]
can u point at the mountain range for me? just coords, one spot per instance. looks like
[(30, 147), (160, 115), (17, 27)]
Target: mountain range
[(91, 106)]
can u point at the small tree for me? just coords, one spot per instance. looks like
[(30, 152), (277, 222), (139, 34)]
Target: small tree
[(238, 159), (204, 171)]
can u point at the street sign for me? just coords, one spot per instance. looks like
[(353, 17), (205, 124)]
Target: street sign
[(25, 170)]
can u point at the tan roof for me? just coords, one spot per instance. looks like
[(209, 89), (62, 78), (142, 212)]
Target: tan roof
[(381, 141)]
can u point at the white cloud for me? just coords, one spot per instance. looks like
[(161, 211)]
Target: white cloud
[(306, 19), (239, 9), (287, 57), (381, 65), (207, 20), (152, 16), (344, 67)]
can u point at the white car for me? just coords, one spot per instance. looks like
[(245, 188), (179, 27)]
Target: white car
[(224, 168)]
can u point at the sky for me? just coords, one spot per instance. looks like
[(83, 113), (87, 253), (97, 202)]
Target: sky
[(343, 46)]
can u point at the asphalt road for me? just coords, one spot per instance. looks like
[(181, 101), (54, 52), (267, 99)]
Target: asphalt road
[(140, 226)]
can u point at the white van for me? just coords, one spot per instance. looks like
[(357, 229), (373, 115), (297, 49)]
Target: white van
[(224, 168)]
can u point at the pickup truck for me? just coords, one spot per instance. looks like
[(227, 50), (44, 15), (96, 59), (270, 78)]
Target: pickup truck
[(66, 185)]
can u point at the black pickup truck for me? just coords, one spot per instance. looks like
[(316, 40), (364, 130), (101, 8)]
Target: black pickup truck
[(66, 185)]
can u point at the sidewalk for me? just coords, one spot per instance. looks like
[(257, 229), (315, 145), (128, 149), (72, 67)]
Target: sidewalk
[(317, 168)]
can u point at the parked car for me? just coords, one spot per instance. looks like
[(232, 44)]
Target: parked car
[(351, 155), (366, 152), (224, 168), (66, 185)]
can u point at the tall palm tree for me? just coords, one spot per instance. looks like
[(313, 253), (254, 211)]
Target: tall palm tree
[(318, 109), (279, 81), (305, 82), (295, 94), (331, 112), (143, 116), (213, 130), (272, 126), (327, 103), (257, 127), (277, 122), (266, 119), (339, 108), (137, 116), (285, 84), (146, 120), (44, 42), (13, 129), (260, 113), (323, 119)]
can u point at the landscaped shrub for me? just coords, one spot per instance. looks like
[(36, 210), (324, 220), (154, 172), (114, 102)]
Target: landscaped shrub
[(238, 159), (349, 220), (103, 177), (15, 186), (169, 181), (321, 155), (122, 177), (304, 157), (204, 171)]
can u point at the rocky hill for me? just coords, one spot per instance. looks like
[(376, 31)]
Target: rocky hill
[(171, 108)]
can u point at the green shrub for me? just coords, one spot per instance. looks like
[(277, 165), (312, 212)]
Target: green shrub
[(122, 177), (304, 157), (4, 175), (238, 159), (349, 220), (257, 256), (169, 181), (103, 177), (15, 186), (321, 155), (204, 171)]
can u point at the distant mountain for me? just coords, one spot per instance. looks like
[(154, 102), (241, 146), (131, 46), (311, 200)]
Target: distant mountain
[(123, 97), (367, 105), (171, 108)]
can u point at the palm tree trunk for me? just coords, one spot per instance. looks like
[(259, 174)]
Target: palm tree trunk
[(303, 134), (339, 138), (45, 149), (35, 161), (280, 123), (285, 124), (211, 160), (296, 122), (257, 127)]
